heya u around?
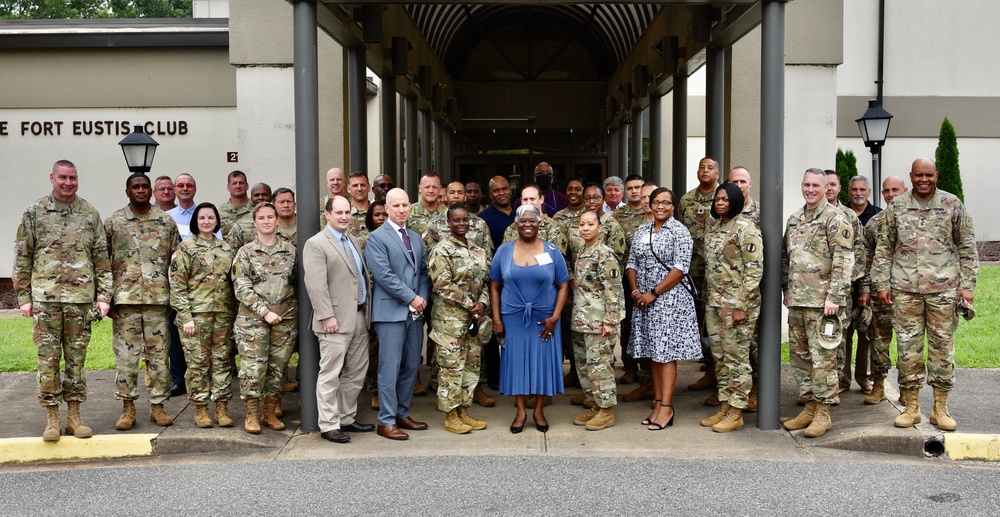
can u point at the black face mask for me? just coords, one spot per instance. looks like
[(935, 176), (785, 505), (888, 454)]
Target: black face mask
[(544, 181)]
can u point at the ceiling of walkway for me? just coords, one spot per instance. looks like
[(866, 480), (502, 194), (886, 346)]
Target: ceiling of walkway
[(582, 42)]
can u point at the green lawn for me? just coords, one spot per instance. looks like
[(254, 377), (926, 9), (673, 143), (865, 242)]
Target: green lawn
[(975, 340)]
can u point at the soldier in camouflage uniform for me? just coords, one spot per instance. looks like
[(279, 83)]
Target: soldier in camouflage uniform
[(925, 261), (430, 204), (335, 187), (740, 177), (734, 265), (816, 262), (859, 281), (459, 272), (201, 291), (598, 308), (880, 330), (238, 206), (62, 279), (266, 329), (630, 216), (358, 188), (141, 238), (611, 235), (694, 212), (438, 228), (243, 230)]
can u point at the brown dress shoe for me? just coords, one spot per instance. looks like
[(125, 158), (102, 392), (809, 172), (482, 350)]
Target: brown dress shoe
[(391, 432), (410, 424)]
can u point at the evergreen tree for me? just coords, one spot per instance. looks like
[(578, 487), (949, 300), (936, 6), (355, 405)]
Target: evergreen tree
[(946, 161), (77, 9), (847, 168)]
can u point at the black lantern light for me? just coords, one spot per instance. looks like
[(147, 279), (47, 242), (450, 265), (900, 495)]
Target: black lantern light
[(139, 149)]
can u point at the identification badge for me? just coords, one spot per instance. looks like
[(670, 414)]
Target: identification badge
[(543, 259)]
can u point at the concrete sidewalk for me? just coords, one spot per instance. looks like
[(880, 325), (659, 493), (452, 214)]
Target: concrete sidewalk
[(857, 427)]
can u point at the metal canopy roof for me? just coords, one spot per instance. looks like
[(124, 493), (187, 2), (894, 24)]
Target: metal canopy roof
[(532, 37)]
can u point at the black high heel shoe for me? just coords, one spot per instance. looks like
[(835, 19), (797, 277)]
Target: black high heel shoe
[(514, 429), (543, 428), (653, 426), (646, 421)]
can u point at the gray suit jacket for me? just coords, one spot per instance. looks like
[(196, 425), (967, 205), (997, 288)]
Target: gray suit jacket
[(332, 287), (397, 277)]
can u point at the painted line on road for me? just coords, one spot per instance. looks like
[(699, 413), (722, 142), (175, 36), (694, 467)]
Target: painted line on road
[(32, 450), (969, 446)]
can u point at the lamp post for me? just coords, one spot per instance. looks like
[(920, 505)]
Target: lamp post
[(139, 149), (874, 126)]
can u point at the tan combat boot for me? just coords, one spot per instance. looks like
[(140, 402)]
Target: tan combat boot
[(804, 418), (52, 424), (577, 400), (418, 389), (878, 392), (74, 424), (717, 417), (821, 422), (912, 413), (222, 414), (705, 382), (127, 420), (629, 376), (156, 414), (201, 418), (480, 397), (585, 417), (375, 404), (269, 418), (251, 424), (939, 413), (464, 416), (713, 399), (733, 421), (604, 418), (752, 399), (645, 391), (278, 412), (454, 424)]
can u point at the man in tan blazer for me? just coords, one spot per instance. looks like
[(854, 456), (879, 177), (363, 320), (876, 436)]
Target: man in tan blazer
[(337, 280)]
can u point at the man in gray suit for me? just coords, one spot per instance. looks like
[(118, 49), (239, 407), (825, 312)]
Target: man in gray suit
[(337, 281), (398, 264)]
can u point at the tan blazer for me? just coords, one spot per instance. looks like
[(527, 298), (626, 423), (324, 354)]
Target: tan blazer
[(332, 287)]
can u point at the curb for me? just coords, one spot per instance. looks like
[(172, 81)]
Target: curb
[(99, 447), (967, 446)]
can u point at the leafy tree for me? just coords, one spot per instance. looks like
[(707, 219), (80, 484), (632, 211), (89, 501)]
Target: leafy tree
[(78, 9), (847, 168), (946, 161)]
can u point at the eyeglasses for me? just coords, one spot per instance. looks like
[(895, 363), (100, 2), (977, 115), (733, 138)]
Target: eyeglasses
[(164, 189), (593, 198), (185, 185), (658, 204)]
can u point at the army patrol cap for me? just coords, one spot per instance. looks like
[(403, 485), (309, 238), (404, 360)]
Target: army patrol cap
[(829, 332), (964, 309)]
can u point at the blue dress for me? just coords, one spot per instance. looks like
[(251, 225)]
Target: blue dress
[(529, 365)]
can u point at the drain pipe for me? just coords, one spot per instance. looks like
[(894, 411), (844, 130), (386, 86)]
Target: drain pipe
[(933, 445)]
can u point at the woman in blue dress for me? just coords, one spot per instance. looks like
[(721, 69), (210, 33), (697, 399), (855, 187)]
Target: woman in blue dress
[(529, 283)]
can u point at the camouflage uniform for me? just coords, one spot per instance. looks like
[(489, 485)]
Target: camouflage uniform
[(734, 263), (357, 226), (548, 230), (460, 277), (925, 254), (816, 265), (630, 220), (598, 300), (751, 212), (230, 214), (420, 217), (61, 266), (264, 279), (859, 285), (880, 330), (140, 247), (695, 212), (611, 236), (478, 234), (201, 291)]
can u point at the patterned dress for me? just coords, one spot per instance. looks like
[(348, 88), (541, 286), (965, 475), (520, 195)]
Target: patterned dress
[(667, 330)]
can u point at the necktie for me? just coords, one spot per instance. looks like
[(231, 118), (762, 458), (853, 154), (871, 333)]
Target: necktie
[(353, 263), (406, 241)]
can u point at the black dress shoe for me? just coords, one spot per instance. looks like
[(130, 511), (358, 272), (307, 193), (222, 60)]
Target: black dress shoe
[(357, 427), (177, 390), (336, 436)]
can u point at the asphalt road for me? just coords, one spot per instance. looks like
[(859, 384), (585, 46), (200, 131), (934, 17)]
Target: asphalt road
[(513, 485)]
